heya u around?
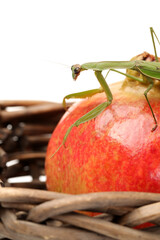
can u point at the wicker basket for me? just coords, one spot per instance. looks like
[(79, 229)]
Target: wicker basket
[(28, 211)]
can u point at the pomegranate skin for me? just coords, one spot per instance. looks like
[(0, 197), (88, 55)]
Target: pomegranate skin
[(116, 151)]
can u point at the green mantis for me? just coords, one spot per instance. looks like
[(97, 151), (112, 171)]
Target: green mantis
[(149, 71)]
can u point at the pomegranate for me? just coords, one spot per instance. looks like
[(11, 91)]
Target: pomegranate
[(116, 151)]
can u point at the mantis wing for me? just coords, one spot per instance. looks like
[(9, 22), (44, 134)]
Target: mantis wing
[(149, 69)]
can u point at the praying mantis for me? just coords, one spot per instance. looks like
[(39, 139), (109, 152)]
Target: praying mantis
[(150, 71)]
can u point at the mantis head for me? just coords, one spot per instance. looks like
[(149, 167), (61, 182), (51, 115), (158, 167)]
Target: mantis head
[(76, 69)]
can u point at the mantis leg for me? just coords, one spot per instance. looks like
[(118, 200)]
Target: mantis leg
[(83, 94), (154, 46), (145, 94), (151, 83), (97, 110), (94, 112), (127, 75)]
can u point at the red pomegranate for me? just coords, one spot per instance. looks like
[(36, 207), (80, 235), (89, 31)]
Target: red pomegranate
[(116, 151)]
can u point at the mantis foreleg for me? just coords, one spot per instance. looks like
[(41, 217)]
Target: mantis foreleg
[(83, 94), (94, 112), (97, 110)]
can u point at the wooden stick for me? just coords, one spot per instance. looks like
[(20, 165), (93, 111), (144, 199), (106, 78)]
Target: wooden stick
[(32, 185), (18, 206), (24, 230), (22, 195), (26, 155), (25, 103), (3, 158), (38, 140), (31, 111), (89, 202), (141, 215), (34, 129), (106, 228)]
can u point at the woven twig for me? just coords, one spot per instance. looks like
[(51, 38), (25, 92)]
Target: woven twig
[(29, 211)]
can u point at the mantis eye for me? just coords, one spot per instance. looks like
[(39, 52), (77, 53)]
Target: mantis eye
[(77, 70)]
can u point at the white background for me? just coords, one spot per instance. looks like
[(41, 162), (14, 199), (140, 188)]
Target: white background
[(36, 34)]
